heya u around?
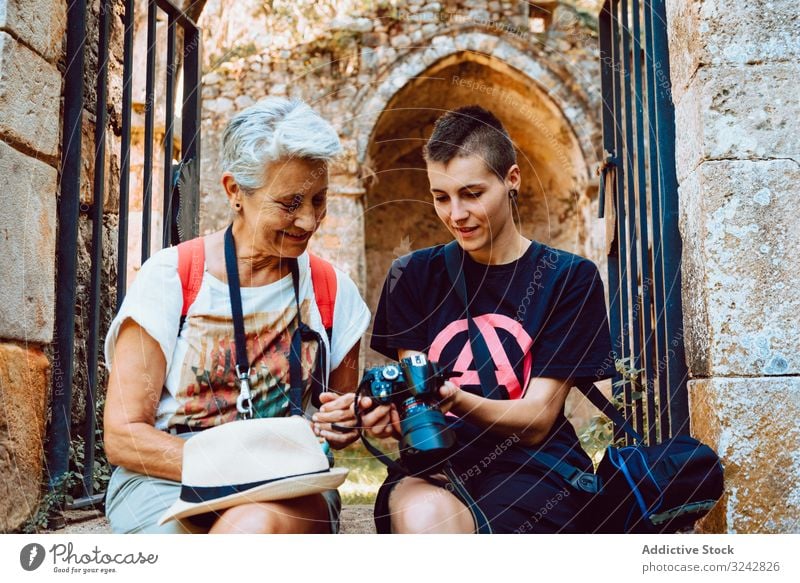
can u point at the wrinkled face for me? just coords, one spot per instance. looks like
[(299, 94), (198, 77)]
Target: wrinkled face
[(472, 202), (283, 214)]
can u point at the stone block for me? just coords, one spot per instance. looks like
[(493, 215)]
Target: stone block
[(28, 232), (754, 426), (717, 32), (741, 268), (38, 23), (30, 93), (24, 381), (340, 238), (738, 112)]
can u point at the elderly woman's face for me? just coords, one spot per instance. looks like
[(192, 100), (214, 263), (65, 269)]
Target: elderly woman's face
[(285, 212)]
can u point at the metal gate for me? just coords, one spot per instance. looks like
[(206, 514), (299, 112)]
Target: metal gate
[(179, 28), (639, 199)]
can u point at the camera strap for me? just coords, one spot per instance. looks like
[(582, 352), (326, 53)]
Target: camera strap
[(482, 525), (244, 402)]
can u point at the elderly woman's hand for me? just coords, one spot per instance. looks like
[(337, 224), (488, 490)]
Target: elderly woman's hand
[(336, 410)]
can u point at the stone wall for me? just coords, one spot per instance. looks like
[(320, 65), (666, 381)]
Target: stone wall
[(30, 90), (734, 70), (32, 49), (365, 68)]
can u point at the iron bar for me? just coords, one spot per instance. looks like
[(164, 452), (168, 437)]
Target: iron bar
[(58, 434), (98, 191), (168, 131), (125, 154), (662, 342), (607, 49), (643, 235), (668, 183), (149, 120)]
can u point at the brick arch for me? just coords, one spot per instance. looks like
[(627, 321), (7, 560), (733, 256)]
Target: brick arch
[(566, 92), (557, 146)]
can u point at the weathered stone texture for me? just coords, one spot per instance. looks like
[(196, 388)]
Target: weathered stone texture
[(738, 112), (38, 23), (717, 32), (741, 244), (28, 231), (340, 238), (754, 425), (24, 378), (30, 89)]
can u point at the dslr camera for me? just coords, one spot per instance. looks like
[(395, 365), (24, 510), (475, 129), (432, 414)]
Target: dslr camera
[(413, 386)]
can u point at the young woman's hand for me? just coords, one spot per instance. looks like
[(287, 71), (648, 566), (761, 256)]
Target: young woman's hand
[(448, 395), (336, 410)]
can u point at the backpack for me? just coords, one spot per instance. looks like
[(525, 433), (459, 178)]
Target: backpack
[(191, 262)]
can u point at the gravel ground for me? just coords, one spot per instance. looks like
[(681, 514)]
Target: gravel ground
[(356, 519)]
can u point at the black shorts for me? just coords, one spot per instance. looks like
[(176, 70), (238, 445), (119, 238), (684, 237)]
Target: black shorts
[(516, 497)]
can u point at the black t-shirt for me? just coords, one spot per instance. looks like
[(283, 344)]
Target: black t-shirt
[(543, 315)]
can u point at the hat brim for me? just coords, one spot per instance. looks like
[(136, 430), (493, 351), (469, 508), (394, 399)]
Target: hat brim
[(293, 487)]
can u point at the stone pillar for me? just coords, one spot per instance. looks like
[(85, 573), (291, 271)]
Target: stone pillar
[(30, 90), (734, 70)]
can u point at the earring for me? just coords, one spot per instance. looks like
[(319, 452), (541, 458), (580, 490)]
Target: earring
[(237, 206), (513, 194)]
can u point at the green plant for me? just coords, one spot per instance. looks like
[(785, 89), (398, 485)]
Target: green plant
[(53, 500), (599, 432), (365, 477)]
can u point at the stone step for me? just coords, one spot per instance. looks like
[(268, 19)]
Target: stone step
[(356, 519)]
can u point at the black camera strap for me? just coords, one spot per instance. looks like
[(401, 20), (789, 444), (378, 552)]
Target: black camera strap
[(244, 403), (486, 372), (480, 350)]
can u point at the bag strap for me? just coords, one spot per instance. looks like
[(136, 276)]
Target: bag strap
[(323, 279), (486, 372), (599, 400), (191, 263), (191, 260), (480, 350)]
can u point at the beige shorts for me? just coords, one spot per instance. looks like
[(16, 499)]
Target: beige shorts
[(135, 502)]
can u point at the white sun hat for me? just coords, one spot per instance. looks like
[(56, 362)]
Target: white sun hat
[(256, 460)]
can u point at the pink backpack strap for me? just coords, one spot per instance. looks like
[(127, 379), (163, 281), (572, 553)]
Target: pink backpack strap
[(191, 261), (323, 278)]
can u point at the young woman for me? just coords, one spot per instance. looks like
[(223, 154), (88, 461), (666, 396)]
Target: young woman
[(543, 316)]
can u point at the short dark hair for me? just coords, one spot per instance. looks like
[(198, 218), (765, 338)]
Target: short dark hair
[(471, 130)]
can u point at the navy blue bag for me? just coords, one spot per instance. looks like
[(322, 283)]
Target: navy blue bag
[(652, 489)]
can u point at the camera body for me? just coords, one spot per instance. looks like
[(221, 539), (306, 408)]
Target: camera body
[(413, 387)]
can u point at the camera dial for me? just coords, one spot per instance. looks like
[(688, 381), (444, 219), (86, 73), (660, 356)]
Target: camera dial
[(390, 372)]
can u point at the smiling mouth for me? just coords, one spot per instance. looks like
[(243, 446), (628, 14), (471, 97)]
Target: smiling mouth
[(298, 237), (466, 230)]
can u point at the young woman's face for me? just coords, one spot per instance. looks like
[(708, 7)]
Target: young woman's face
[(283, 214), (473, 202)]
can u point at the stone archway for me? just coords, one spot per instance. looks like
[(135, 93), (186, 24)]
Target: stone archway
[(556, 136)]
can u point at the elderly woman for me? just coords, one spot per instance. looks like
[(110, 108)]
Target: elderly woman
[(172, 377)]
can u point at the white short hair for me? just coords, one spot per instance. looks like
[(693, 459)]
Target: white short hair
[(271, 129)]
